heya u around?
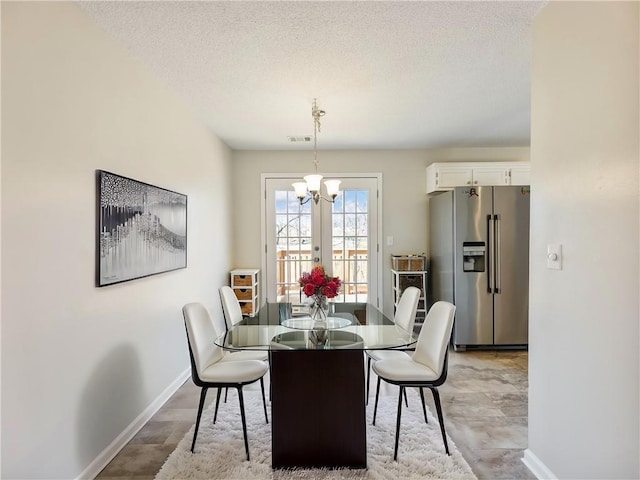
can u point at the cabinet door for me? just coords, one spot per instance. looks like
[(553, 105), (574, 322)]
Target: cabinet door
[(449, 177), (520, 175), (490, 176)]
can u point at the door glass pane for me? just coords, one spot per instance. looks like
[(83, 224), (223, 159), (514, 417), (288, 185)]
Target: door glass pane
[(350, 252), (362, 201), (293, 243)]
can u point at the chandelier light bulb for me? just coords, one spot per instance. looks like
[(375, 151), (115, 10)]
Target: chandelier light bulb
[(333, 187), (313, 182), (301, 189)]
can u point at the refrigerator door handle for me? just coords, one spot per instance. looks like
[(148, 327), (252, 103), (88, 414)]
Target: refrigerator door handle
[(496, 254), (489, 254)]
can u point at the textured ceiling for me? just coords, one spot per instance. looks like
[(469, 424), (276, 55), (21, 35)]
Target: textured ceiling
[(397, 74)]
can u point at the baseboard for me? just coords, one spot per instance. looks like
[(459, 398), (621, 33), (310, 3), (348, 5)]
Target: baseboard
[(535, 465), (102, 460)]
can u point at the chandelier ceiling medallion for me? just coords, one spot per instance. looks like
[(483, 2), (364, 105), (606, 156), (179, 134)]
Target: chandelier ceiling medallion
[(310, 188)]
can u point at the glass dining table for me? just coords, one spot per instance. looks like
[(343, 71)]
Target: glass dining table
[(318, 404)]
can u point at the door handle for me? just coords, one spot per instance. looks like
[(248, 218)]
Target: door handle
[(489, 255), (497, 254)]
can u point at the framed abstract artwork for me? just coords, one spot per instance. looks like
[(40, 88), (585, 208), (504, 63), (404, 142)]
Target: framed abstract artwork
[(141, 229)]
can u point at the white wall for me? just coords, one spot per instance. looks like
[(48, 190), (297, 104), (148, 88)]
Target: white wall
[(80, 363), (478, 154), (583, 360), (404, 200)]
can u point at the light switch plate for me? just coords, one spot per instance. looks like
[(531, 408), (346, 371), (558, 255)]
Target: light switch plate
[(554, 256)]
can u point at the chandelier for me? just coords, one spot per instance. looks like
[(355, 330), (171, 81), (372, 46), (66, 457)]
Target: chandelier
[(310, 188)]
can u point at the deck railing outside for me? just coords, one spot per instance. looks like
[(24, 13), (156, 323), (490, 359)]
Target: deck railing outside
[(350, 265)]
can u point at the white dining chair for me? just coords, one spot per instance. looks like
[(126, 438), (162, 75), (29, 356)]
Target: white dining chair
[(212, 368), (426, 367), (232, 316), (405, 318), (230, 306), (232, 313)]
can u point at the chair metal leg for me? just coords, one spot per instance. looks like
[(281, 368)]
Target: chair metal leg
[(215, 414), (436, 399), (395, 451), (244, 421), (375, 409), (406, 402), (368, 377), (424, 409), (203, 395), (264, 400), (226, 391)]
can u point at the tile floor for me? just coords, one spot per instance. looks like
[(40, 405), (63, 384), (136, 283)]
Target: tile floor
[(485, 405), (484, 402)]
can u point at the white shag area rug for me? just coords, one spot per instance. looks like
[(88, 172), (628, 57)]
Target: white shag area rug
[(220, 454)]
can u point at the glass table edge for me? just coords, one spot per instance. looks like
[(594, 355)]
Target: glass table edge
[(367, 335)]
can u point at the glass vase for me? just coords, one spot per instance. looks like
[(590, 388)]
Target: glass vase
[(318, 310)]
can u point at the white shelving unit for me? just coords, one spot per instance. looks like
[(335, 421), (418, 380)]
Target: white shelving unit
[(403, 279), (245, 283)]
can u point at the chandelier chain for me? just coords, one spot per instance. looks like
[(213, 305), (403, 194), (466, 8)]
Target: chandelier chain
[(310, 188), (316, 113)]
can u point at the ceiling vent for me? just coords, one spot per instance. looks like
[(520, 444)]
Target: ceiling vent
[(300, 138)]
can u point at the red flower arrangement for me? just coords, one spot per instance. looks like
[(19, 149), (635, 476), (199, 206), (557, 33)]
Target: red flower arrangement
[(317, 283)]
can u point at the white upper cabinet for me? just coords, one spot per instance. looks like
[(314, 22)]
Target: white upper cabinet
[(450, 176), (490, 175), (446, 176), (520, 174)]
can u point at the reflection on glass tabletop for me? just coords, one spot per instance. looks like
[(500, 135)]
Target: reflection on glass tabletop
[(307, 323)]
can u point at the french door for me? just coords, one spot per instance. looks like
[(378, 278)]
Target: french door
[(341, 236)]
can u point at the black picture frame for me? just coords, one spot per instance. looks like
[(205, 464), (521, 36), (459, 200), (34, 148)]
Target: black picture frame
[(141, 229)]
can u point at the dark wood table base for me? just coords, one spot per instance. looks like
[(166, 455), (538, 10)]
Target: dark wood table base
[(318, 409)]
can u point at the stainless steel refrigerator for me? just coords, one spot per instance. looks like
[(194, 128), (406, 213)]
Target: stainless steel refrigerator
[(479, 261)]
